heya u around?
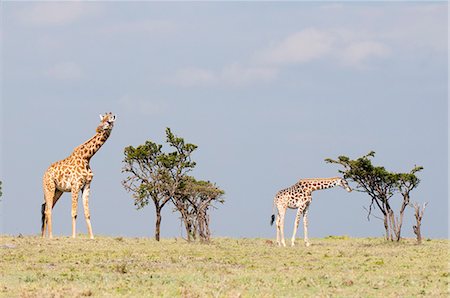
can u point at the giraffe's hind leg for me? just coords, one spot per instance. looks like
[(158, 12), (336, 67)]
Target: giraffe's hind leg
[(49, 195), (277, 223), (280, 227)]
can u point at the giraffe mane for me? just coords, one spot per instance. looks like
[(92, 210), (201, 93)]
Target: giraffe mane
[(322, 179)]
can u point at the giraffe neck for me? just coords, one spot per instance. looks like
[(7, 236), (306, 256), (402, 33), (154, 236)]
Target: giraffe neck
[(318, 184), (91, 146)]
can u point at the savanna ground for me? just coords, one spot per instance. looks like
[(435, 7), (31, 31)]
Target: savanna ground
[(136, 267)]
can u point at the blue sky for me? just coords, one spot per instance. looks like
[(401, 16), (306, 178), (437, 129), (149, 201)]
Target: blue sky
[(266, 90)]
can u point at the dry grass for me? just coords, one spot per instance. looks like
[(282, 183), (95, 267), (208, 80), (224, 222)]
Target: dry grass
[(334, 266)]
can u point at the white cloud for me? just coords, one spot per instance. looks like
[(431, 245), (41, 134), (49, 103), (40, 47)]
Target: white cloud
[(240, 75), (65, 71), (357, 53), (300, 47), (351, 48), (233, 74), (55, 13)]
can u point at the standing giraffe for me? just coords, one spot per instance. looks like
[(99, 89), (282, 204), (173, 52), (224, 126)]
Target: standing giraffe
[(73, 174), (299, 196)]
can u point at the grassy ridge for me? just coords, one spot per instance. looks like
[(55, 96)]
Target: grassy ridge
[(106, 266)]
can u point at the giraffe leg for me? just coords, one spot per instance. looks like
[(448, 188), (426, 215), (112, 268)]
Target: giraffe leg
[(48, 213), (278, 228), (305, 227), (280, 225), (49, 194), (297, 220), (87, 214), (47, 226), (74, 210), (280, 216), (48, 221)]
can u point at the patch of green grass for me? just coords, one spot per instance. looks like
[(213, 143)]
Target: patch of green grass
[(334, 266)]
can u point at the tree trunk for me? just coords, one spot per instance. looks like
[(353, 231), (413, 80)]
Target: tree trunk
[(203, 222), (392, 225), (386, 226), (158, 224), (418, 214), (188, 230), (418, 234), (400, 220)]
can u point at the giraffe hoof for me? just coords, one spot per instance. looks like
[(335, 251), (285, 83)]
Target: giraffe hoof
[(307, 244)]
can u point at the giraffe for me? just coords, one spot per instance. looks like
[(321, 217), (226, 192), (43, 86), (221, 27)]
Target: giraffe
[(299, 196), (73, 174)]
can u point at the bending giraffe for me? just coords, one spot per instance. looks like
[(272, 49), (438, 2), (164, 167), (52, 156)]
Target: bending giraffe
[(73, 174), (299, 196)]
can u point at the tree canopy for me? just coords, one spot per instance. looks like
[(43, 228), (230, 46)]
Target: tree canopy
[(154, 175), (381, 185), (193, 200), (159, 177)]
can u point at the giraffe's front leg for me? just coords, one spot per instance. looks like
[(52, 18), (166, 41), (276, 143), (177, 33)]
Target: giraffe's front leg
[(74, 210), (47, 225), (87, 214), (297, 221), (305, 227)]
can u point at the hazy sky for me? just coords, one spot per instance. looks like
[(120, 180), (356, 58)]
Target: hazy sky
[(267, 91)]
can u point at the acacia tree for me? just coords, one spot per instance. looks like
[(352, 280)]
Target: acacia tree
[(154, 175), (380, 185), (418, 214), (405, 183), (193, 201)]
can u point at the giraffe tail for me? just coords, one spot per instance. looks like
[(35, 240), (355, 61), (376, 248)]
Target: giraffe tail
[(272, 219), (43, 216)]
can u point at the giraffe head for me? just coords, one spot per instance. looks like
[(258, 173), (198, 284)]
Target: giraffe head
[(344, 184), (107, 122)]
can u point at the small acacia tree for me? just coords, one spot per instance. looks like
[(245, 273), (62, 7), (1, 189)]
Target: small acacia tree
[(405, 183), (381, 185), (154, 175), (418, 214), (193, 201)]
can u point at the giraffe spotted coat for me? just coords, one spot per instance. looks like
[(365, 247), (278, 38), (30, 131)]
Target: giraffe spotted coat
[(299, 197), (73, 174)]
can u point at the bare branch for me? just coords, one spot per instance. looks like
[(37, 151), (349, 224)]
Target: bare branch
[(370, 213)]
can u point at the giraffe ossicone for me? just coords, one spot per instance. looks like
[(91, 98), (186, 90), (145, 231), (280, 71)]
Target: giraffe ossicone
[(299, 197), (73, 174)]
